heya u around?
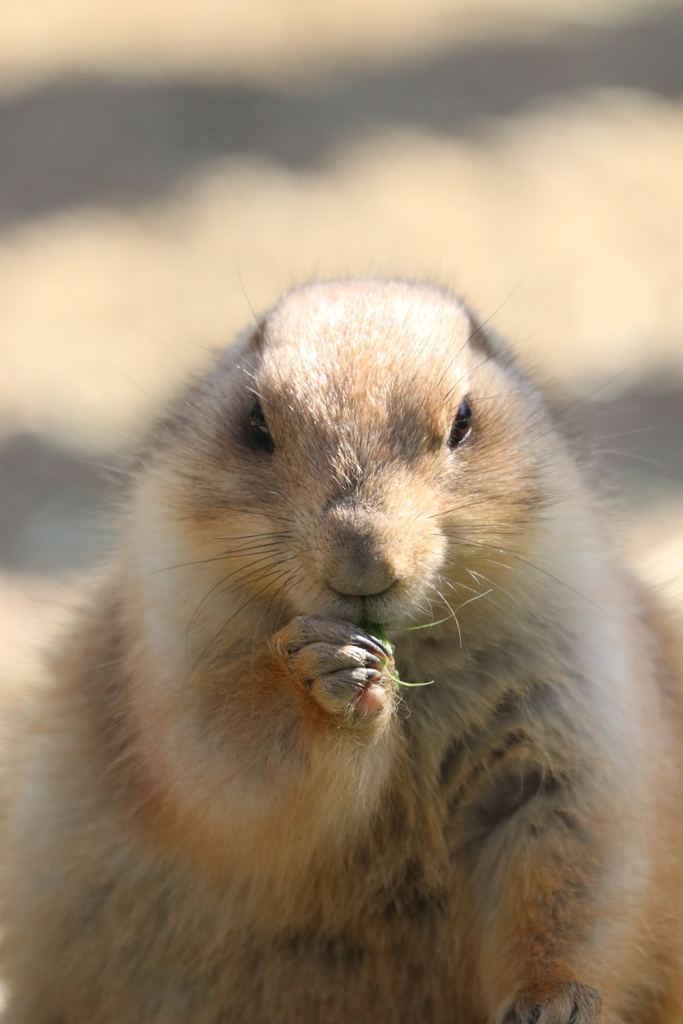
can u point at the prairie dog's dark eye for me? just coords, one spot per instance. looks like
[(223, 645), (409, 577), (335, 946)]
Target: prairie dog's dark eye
[(258, 428), (461, 424)]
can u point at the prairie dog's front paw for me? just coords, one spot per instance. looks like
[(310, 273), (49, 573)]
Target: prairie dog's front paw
[(570, 1002), (342, 667)]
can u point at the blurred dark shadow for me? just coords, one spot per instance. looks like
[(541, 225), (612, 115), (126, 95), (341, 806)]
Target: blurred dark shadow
[(637, 438), (123, 141), (52, 507)]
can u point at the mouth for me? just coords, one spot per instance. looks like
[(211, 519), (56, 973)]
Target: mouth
[(383, 608), (397, 606)]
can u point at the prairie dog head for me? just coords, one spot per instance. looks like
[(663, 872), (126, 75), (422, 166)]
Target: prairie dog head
[(366, 453)]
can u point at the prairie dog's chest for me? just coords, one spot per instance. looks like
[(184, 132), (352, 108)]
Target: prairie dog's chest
[(488, 751)]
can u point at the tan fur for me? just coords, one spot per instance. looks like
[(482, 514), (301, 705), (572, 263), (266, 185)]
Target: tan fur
[(221, 815)]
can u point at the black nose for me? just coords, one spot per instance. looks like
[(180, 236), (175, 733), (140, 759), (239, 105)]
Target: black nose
[(357, 556)]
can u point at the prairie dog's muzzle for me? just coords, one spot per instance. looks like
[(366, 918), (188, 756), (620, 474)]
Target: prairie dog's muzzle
[(356, 559)]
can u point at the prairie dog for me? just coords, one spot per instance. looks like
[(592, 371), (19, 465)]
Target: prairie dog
[(227, 809)]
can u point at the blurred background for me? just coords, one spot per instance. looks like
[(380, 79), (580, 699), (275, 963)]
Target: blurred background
[(166, 166)]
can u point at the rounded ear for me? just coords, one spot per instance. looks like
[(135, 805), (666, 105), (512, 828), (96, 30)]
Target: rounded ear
[(245, 349), (485, 341), (252, 338)]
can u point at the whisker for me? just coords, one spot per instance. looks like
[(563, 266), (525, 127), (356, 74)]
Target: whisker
[(638, 458), (584, 398), (242, 579), (532, 565), (475, 598), (251, 511), (467, 504), (455, 617), (239, 552), (241, 608), (497, 585)]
